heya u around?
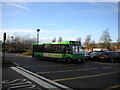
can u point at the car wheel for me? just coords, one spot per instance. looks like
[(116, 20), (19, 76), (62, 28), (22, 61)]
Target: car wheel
[(112, 60), (68, 60)]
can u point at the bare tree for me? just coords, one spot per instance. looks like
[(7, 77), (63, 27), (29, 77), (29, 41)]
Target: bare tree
[(54, 40), (79, 39), (87, 41), (118, 39), (92, 44), (0, 45), (0, 42), (60, 39), (105, 39), (20, 43), (118, 43)]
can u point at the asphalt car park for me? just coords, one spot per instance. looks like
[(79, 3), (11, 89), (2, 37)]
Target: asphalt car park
[(73, 75), (90, 74)]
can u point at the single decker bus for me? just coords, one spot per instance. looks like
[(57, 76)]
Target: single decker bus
[(69, 51)]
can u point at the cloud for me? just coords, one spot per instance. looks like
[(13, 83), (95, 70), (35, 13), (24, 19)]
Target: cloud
[(18, 5), (17, 30)]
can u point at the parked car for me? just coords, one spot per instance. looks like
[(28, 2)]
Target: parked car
[(87, 54), (118, 52), (91, 55), (108, 56), (94, 55)]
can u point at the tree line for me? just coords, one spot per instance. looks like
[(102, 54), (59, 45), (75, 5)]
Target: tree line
[(105, 42), (23, 43), (19, 43)]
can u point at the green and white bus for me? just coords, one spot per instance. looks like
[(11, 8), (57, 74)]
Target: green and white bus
[(69, 51)]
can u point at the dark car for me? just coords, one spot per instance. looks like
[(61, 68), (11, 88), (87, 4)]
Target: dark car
[(92, 55), (108, 56), (118, 52), (87, 55)]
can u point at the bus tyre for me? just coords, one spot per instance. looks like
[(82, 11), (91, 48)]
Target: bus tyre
[(38, 57), (68, 60)]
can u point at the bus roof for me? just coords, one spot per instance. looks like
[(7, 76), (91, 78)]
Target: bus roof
[(65, 42)]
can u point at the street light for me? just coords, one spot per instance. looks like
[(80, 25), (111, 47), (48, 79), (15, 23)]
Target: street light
[(38, 35), (3, 47), (12, 39)]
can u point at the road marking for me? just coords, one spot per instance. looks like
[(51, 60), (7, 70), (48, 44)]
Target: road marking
[(66, 71), (86, 76), (17, 84), (51, 65), (112, 87), (16, 64), (33, 78), (13, 81), (43, 79), (22, 55), (28, 56), (21, 86), (102, 63)]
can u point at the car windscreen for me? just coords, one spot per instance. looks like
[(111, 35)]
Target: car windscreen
[(113, 54)]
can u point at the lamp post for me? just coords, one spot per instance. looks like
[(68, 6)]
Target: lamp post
[(38, 30), (12, 39), (3, 47)]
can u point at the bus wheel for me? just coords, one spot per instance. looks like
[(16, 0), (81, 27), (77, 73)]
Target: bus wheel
[(68, 60), (38, 57)]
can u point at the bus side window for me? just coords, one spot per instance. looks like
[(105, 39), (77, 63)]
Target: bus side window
[(48, 48), (62, 48), (59, 48), (68, 50), (52, 48), (43, 48), (36, 48), (56, 48)]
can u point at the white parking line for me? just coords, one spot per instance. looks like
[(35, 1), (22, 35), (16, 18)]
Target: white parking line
[(33, 78), (21, 86), (16, 84)]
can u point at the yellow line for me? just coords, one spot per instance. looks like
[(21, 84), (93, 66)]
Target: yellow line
[(105, 63), (85, 76), (16, 64), (115, 86), (22, 55), (65, 71), (51, 65), (16, 54), (27, 56)]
